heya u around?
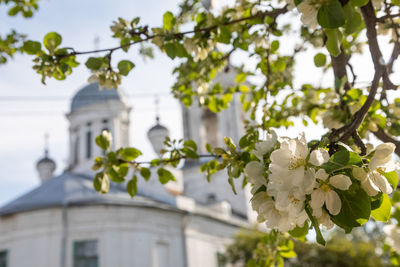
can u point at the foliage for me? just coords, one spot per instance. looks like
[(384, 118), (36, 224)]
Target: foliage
[(296, 185), (340, 251)]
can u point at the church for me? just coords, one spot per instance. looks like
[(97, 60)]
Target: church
[(64, 222)]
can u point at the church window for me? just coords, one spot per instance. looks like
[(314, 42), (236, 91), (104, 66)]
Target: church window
[(76, 151), (221, 262), (88, 144), (161, 255), (209, 129), (86, 253), (3, 258)]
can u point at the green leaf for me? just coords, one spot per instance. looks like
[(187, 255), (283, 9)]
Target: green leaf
[(392, 178), (356, 208), (191, 144), (274, 46), (170, 49), (241, 77), (165, 175), (288, 254), (383, 212), (168, 20), (32, 47), (180, 50), (125, 66), (130, 153), (131, 187), (333, 42), (52, 40), (353, 23), (145, 173), (320, 60), (94, 63), (300, 232), (320, 238), (342, 159), (104, 140), (232, 183), (359, 2), (101, 183), (114, 175), (14, 10), (331, 15)]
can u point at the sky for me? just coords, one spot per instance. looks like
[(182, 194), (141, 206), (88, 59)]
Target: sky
[(29, 109)]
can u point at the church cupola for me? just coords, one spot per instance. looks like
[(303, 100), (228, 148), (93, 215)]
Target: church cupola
[(46, 166), (157, 135), (92, 111), (158, 132)]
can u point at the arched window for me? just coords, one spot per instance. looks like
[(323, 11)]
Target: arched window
[(209, 129), (88, 144), (76, 151)]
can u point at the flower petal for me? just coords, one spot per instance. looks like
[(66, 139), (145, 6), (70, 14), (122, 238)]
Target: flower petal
[(333, 202), (255, 172), (319, 157), (359, 174), (340, 181), (317, 199), (369, 187), (383, 154), (308, 181), (321, 174), (380, 181)]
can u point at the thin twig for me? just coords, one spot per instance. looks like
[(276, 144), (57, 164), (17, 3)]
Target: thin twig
[(275, 13)]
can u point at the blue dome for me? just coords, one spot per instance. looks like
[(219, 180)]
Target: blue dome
[(91, 94)]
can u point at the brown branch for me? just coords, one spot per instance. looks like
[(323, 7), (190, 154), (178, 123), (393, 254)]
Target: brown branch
[(387, 16), (383, 136), (273, 14), (339, 68), (350, 129), (166, 161)]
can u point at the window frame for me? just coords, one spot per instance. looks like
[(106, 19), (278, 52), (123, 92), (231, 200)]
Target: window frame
[(5, 253), (78, 258)]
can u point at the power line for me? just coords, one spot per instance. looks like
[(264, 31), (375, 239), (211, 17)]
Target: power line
[(68, 98)]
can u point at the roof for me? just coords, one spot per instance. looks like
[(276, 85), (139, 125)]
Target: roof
[(91, 94), (73, 189)]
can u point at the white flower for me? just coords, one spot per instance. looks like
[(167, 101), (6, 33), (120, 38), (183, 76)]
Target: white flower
[(288, 162), (264, 147), (319, 157), (383, 156), (255, 172), (325, 220), (325, 193), (308, 13), (373, 181)]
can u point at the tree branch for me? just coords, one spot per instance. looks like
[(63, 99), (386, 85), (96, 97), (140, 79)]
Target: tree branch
[(273, 14), (383, 136)]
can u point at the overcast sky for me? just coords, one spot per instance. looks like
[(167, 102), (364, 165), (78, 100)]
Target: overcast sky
[(29, 109)]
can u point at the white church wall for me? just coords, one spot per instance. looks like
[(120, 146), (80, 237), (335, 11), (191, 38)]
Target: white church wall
[(205, 238), (32, 238), (197, 187)]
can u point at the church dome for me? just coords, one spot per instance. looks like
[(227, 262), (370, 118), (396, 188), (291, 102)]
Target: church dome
[(157, 135), (45, 167), (92, 94)]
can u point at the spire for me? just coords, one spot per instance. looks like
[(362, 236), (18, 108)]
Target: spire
[(157, 106), (46, 145), (46, 166)]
